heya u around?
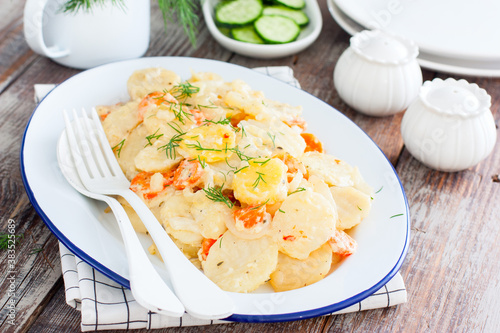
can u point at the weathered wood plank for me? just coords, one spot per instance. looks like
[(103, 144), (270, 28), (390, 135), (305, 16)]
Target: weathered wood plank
[(452, 270), (15, 55)]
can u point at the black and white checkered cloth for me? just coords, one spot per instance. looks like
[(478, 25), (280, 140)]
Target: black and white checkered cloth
[(106, 305)]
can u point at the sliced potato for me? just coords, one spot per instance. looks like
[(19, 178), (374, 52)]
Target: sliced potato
[(333, 171), (145, 81), (211, 216), (263, 181), (305, 221), (240, 265), (134, 143), (119, 123), (352, 206), (208, 143), (293, 273)]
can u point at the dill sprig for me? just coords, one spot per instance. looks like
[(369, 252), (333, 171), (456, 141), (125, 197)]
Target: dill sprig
[(179, 113), (197, 146), (261, 162), (184, 90), (262, 204), (5, 237), (299, 189), (258, 180), (215, 194), (273, 139), (118, 147), (153, 136), (185, 13), (173, 143), (73, 6), (242, 168), (240, 154), (225, 121)]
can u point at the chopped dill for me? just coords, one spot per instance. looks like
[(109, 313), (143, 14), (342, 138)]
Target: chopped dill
[(199, 106), (240, 154), (215, 194), (229, 165), (179, 113), (173, 143), (299, 189), (225, 121), (153, 136), (262, 162), (246, 166), (118, 147), (396, 215), (202, 162), (273, 139), (380, 189), (282, 211), (262, 204), (258, 180), (184, 90), (198, 147)]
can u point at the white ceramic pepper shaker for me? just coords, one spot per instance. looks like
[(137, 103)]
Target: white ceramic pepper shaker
[(449, 127), (378, 75)]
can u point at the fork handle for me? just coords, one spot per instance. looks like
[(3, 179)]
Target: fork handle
[(147, 286), (201, 297)]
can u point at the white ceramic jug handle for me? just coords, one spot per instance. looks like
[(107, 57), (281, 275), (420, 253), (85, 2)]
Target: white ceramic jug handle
[(33, 32)]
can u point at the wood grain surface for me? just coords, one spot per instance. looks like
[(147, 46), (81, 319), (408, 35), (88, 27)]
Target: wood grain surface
[(452, 269)]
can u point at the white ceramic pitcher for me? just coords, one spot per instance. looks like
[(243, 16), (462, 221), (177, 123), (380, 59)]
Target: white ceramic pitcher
[(85, 39)]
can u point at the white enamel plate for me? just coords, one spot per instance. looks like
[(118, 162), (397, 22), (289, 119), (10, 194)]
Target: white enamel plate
[(83, 227)]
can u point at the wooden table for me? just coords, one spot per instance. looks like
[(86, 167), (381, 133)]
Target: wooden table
[(452, 270)]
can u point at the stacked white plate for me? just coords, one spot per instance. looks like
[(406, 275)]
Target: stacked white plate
[(454, 36)]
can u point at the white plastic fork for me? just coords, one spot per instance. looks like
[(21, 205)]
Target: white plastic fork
[(100, 173), (147, 286)]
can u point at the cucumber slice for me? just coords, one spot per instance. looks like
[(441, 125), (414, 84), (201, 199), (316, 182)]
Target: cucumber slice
[(276, 29), (295, 14), (295, 4), (246, 34), (238, 12)]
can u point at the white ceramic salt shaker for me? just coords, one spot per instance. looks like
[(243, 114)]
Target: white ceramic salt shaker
[(449, 127), (378, 75)]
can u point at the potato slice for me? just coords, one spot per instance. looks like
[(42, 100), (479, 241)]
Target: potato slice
[(208, 143), (293, 273), (240, 265), (352, 206), (263, 181), (305, 221), (145, 81), (333, 171), (119, 123), (211, 216)]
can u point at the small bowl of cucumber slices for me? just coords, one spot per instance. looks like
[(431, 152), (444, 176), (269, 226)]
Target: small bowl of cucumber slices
[(263, 28)]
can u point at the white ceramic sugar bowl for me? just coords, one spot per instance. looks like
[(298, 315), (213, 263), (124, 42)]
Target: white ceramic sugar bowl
[(449, 127), (378, 75)]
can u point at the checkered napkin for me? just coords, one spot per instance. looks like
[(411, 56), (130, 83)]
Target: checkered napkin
[(106, 305)]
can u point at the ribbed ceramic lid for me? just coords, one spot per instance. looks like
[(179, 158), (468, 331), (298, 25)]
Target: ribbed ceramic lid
[(454, 97), (384, 48)]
